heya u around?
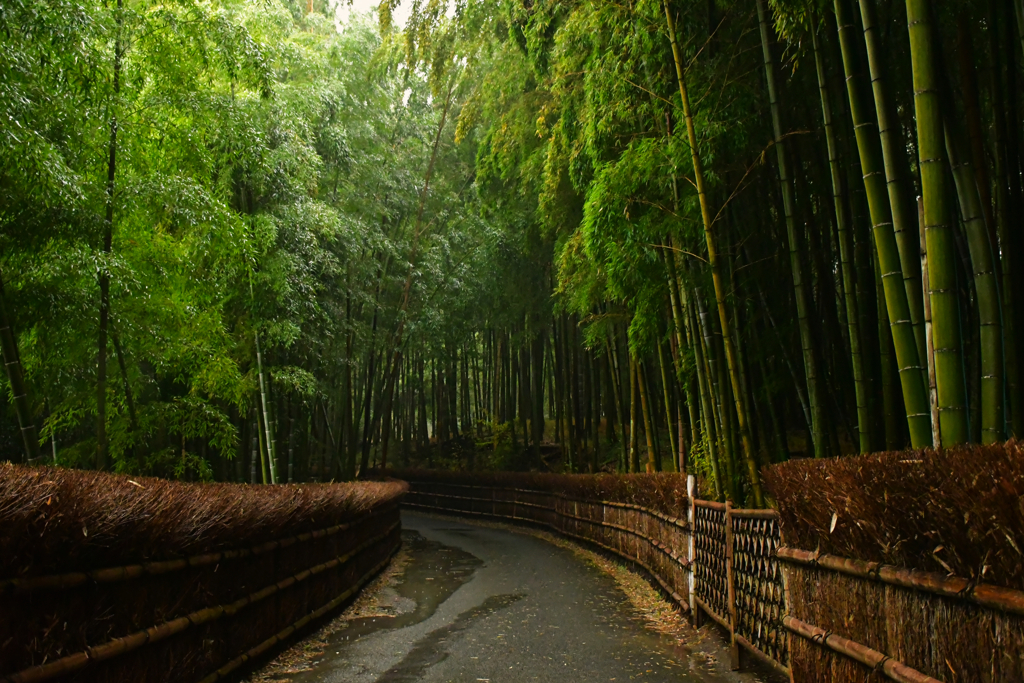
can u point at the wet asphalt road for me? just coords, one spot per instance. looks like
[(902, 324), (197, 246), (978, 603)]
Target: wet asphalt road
[(482, 604)]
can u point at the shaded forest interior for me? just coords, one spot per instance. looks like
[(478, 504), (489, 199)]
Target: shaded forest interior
[(285, 241)]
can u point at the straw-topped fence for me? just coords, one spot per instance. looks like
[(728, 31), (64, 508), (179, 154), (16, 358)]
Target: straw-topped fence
[(811, 617), (162, 614)]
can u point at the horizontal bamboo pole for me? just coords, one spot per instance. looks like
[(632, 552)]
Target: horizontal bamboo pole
[(119, 646), (282, 635), (155, 568), (756, 514), (985, 595), (710, 504), (874, 659)]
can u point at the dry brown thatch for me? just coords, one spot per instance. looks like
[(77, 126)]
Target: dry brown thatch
[(958, 511), (57, 520), (664, 492)]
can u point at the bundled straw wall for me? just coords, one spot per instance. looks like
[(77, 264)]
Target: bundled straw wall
[(917, 555), (110, 578)]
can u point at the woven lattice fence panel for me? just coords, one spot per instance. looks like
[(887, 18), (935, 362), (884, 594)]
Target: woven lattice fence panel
[(709, 547), (757, 582)]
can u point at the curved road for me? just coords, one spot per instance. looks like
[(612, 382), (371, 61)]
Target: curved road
[(481, 604)]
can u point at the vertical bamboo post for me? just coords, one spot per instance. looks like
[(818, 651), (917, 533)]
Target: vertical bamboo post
[(787, 605), (734, 651), (691, 554)]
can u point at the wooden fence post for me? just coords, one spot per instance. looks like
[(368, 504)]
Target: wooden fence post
[(691, 550), (734, 650)]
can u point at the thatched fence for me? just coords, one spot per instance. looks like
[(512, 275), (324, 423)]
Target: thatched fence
[(109, 578), (809, 615)]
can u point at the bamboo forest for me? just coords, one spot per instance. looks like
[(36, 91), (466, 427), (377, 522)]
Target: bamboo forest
[(274, 241)]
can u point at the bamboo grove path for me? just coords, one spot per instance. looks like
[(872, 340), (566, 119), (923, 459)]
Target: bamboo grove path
[(477, 603)]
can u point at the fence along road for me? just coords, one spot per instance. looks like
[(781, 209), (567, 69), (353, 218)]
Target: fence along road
[(519, 609), (730, 572)]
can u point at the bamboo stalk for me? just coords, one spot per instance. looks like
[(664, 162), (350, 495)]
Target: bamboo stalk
[(986, 284), (938, 223), (908, 356), (716, 269), (810, 355), (846, 255), (895, 164)]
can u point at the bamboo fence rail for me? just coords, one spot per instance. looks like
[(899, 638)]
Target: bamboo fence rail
[(722, 563)]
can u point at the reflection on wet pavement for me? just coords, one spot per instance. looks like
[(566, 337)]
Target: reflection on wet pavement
[(435, 573)]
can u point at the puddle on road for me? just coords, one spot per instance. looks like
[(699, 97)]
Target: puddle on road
[(430, 650), (426, 582)]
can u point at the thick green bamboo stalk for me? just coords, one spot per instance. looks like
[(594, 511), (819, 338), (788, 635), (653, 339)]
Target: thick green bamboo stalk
[(938, 223), (716, 269), (810, 356), (846, 259), (908, 358), (985, 283), (894, 158)]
